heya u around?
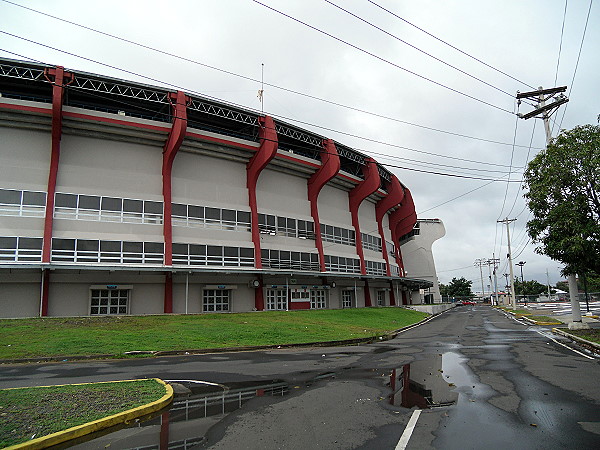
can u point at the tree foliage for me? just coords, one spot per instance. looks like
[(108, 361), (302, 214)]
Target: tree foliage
[(458, 287), (563, 193), (532, 287)]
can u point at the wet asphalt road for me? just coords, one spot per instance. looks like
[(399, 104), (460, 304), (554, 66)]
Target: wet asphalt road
[(513, 386)]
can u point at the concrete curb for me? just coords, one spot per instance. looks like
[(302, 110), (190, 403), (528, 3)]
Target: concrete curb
[(203, 351), (91, 427), (535, 322), (593, 346)]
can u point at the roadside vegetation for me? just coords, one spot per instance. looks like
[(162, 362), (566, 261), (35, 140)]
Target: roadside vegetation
[(30, 413), (592, 334), (76, 336)]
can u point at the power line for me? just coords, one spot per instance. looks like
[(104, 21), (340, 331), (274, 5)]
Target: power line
[(577, 64), (360, 49), (245, 77), (509, 172), (418, 49), (429, 163), (456, 198), (523, 175), (562, 32), (449, 45), (390, 144), (282, 117)]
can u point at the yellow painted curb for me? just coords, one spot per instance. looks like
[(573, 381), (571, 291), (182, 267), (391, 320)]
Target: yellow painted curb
[(91, 427)]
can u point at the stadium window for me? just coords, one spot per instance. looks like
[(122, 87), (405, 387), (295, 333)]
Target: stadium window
[(318, 299), (216, 300), (109, 302), (348, 300), (380, 298)]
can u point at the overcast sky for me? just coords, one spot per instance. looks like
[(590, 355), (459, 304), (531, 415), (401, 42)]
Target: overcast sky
[(371, 71)]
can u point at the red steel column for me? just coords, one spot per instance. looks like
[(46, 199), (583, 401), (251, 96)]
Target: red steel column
[(179, 103), (368, 186), (265, 153), (402, 221), (330, 166), (393, 198), (60, 79)]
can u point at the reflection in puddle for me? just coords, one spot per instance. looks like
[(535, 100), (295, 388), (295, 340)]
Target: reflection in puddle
[(196, 408), (421, 384)]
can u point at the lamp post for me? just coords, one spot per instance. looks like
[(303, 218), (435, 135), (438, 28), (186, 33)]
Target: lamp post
[(521, 264)]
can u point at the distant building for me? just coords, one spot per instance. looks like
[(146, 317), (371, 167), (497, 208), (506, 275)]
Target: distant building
[(417, 252)]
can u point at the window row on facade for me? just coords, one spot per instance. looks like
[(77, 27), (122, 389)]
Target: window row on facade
[(371, 242), (89, 251), (22, 203), (375, 267), (286, 226), (125, 210), (285, 259), (212, 255)]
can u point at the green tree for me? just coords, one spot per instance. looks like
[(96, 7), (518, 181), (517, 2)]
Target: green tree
[(458, 287), (532, 287), (563, 194), (562, 285)]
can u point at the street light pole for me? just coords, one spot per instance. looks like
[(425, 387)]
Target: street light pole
[(521, 264)]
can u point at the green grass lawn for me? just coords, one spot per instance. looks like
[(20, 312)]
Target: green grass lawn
[(29, 413), (590, 335), (545, 319), (26, 338)]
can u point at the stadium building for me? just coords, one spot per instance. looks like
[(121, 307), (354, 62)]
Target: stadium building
[(122, 198)]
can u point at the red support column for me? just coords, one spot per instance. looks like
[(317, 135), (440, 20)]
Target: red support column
[(401, 222), (59, 78), (265, 153), (392, 294), (368, 186), (330, 166), (393, 198), (179, 103), (45, 287)]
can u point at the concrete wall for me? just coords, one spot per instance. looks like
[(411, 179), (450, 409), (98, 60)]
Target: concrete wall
[(418, 255)]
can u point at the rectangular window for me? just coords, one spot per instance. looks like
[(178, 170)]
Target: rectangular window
[(109, 302), (277, 299), (348, 299), (318, 299), (91, 202), (216, 300)]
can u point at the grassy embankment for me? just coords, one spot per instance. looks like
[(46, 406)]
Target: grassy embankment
[(29, 338), (526, 313), (29, 413), (590, 335)]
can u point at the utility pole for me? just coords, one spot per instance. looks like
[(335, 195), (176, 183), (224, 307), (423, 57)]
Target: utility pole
[(521, 264), (495, 262), (548, 283), (544, 112), (513, 299), (480, 262)]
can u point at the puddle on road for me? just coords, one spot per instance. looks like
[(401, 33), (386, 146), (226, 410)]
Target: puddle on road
[(197, 406), (421, 384)]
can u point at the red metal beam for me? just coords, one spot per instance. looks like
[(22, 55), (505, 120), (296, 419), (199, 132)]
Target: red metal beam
[(393, 199), (179, 102), (265, 153), (361, 191), (330, 166), (59, 78), (401, 221)]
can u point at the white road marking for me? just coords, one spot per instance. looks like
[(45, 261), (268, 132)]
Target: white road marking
[(197, 382), (565, 346), (403, 442)]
